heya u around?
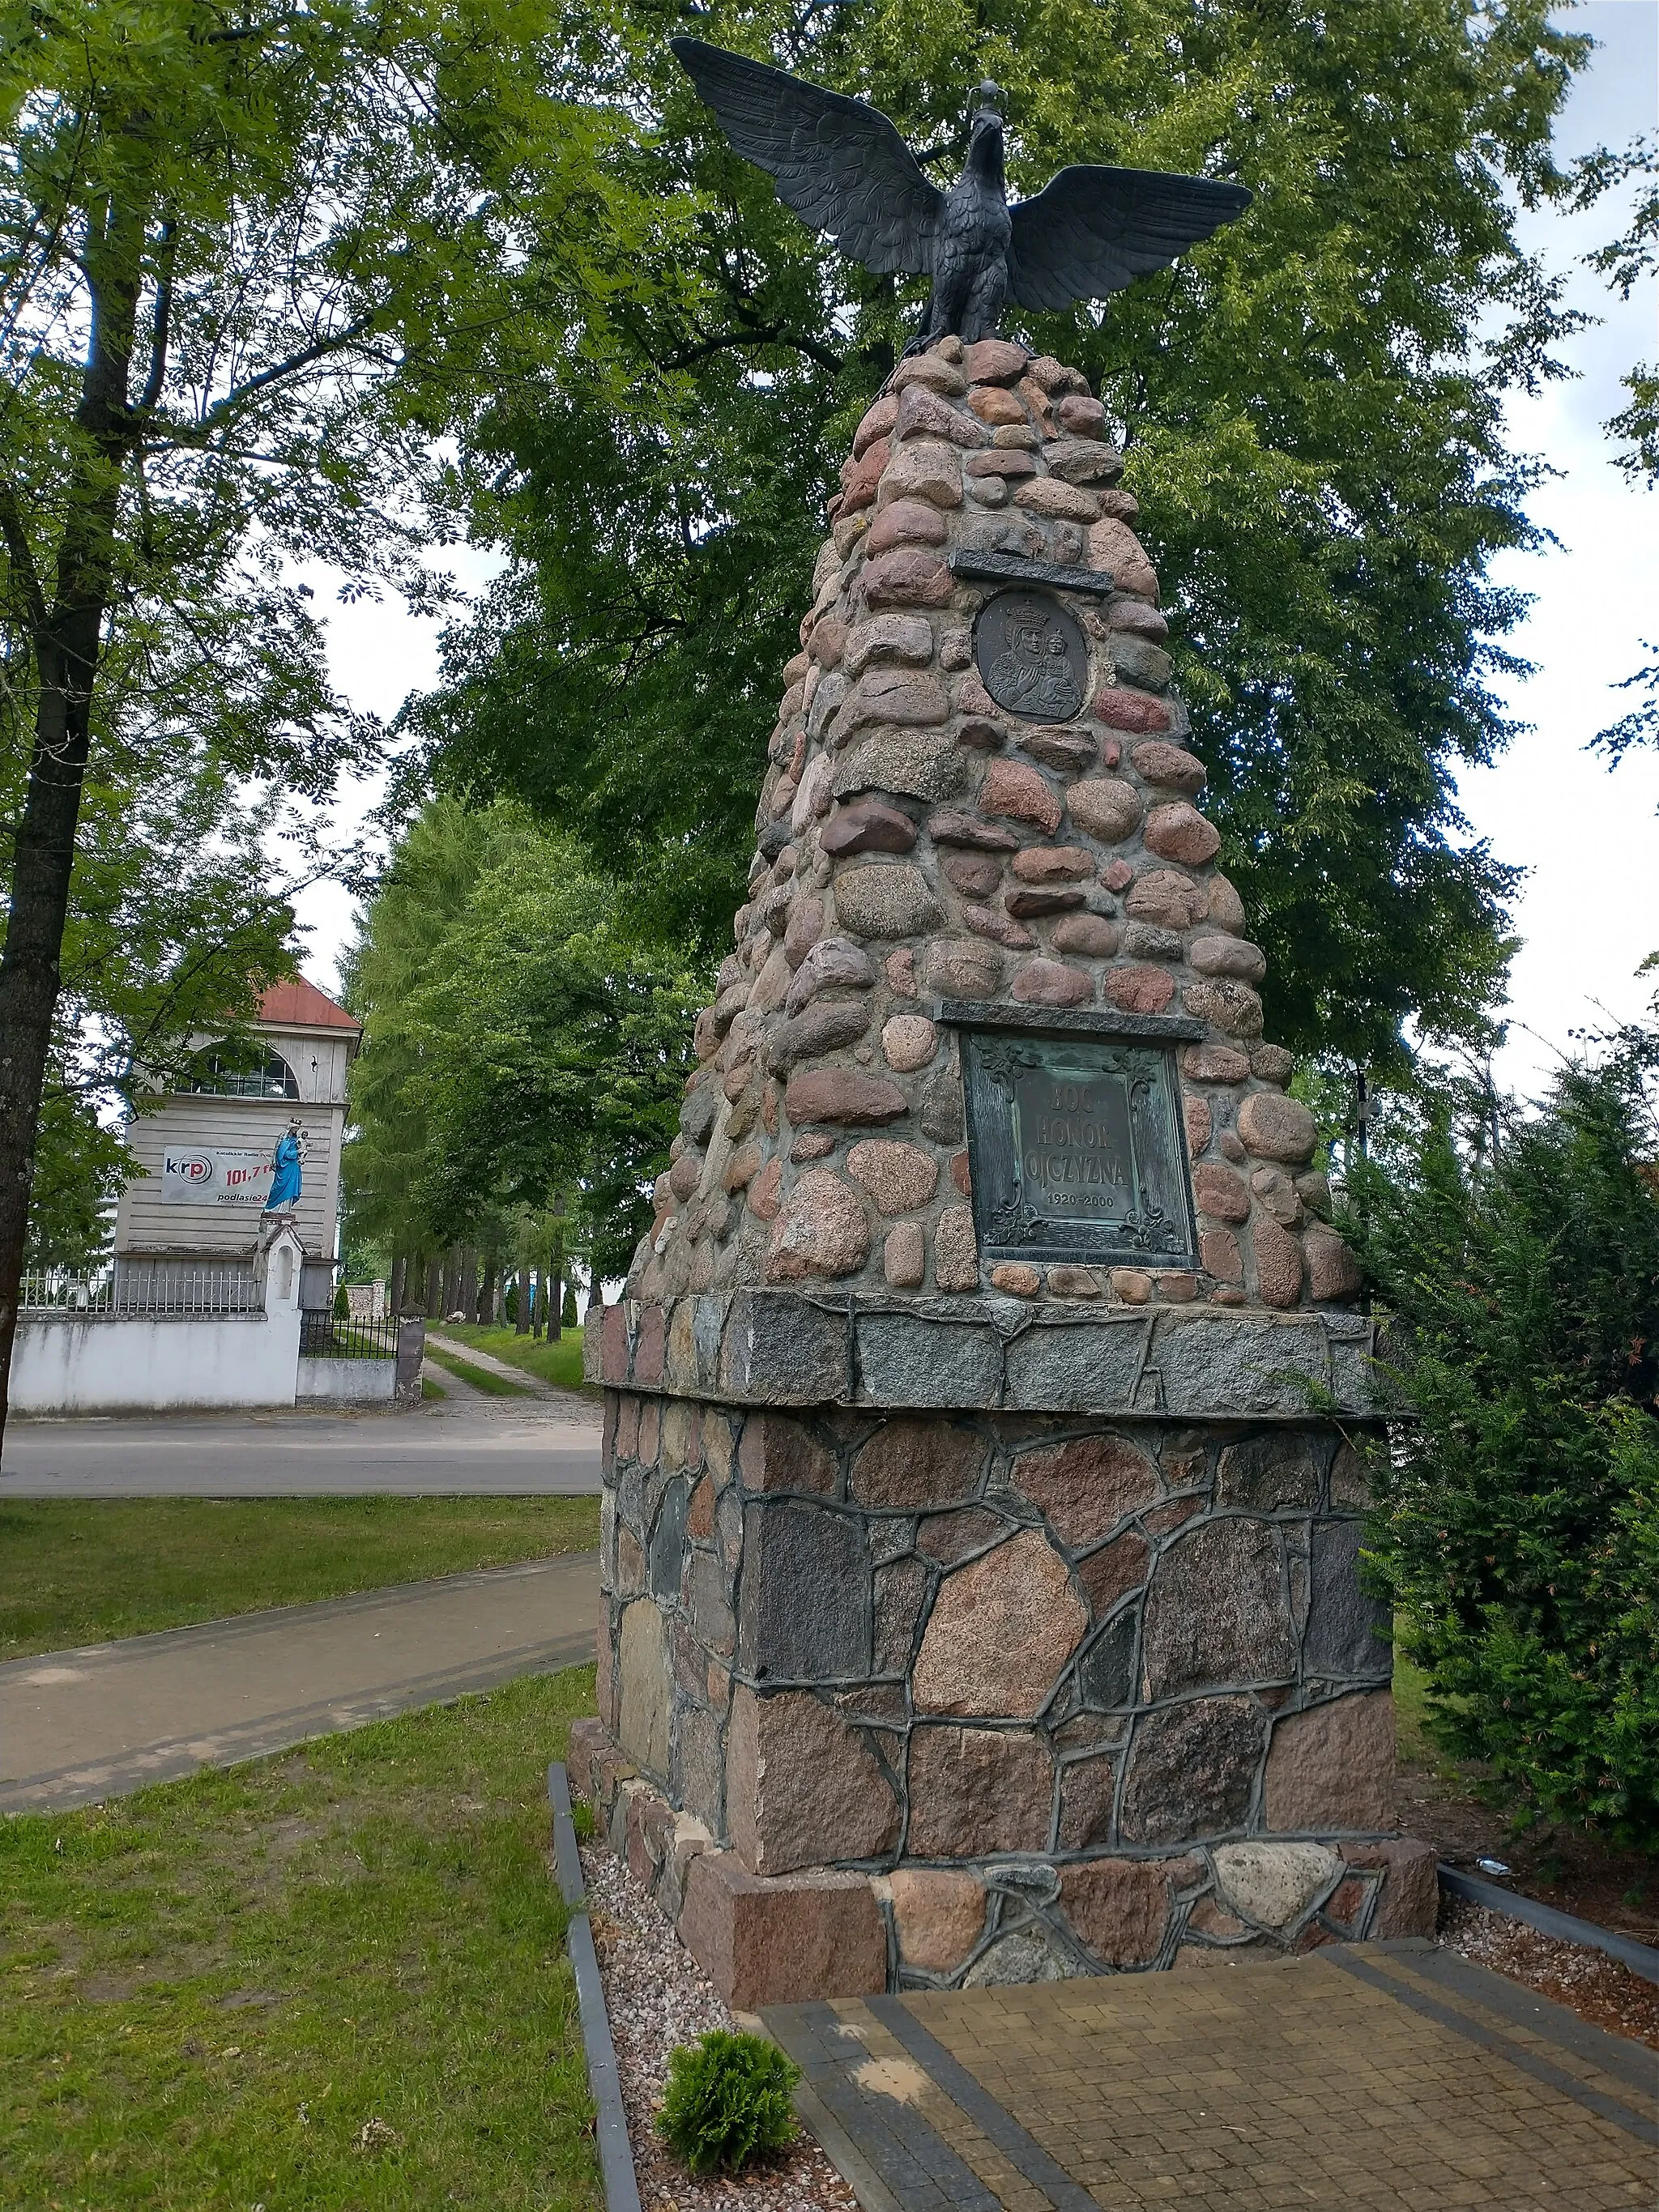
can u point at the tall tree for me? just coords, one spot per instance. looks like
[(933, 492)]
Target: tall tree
[(254, 263), (1311, 404), (520, 1040)]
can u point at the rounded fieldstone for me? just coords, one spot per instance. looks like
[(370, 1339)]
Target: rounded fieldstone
[(841, 1094), (1086, 1487), (877, 421), (961, 967), (932, 369), (1172, 766), (1001, 1629), (1118, 1909), (1012, 789), (1273, 1064), (1106, 807), (1219, 1256), (1226, 1003), (1220, 1192), (1131, 1284), (924, 468), (822, 1028), (939, 1915), (906, 522), (995, 360), (1216, 1611), (1140, 990), (975, 875), (1273, 1885), (831, 963), (1091, 934), (1179, 832), (1174, 902), (867, 825), (1050, 864), (1199, 1121), (821, 1231), (1277, 1263), (1053, 496), (1133, 711), (993, 405), (1333, 1271), (1214, 1063), (898, 1176), (877, 901), (909, 1041), (1228, 956), (956, 1252), (904, 1256), (1052, 983), (1226, 907), (1014, 1277), (909, 576)]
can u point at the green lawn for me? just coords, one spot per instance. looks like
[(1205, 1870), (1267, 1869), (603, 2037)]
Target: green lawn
[(333, 1980), (82, 1571), (560, 1362), (481, 1378)]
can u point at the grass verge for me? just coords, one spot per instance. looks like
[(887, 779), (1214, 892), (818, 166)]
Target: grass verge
[(481, 1378), (560, 1362), (335, 1979), (82, 1571)]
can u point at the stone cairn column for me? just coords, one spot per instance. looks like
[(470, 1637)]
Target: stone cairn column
[(982, 1508)]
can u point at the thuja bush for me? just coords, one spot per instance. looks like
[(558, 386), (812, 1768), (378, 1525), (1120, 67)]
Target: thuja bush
[(728, 2101), (1518, 1514)]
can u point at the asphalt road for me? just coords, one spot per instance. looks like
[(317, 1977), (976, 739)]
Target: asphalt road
[(77, 1727), (467, 1446)]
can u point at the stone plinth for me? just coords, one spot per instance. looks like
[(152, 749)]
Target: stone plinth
[(982, 1506)]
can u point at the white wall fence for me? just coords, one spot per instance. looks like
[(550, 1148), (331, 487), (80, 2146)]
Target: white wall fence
[(166, 1338)]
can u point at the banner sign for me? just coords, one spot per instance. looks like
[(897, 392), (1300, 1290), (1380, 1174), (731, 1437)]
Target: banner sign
[(215, 1176)]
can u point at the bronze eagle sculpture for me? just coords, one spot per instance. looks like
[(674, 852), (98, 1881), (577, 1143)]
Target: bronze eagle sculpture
[(843, 168)]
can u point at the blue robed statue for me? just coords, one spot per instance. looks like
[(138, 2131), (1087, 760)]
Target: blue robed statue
[(284, 1172)]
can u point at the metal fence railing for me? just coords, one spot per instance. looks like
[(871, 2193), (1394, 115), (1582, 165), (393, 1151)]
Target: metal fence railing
[(141, 1292), (332, 1336)]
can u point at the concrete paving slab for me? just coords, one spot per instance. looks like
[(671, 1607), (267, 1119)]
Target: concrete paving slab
[(82, 1725), (470, 1446), (1381, 2074)]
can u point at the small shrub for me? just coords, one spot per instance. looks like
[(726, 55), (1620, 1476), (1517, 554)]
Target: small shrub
[(582, 1820), (728, 2101), (341, 1304)]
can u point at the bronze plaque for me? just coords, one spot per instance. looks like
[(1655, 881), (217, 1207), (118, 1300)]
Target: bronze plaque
[(1075, 1150), (1033, 659)]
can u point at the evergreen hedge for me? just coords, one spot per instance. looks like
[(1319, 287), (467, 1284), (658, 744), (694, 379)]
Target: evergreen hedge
[(1518, 1514)]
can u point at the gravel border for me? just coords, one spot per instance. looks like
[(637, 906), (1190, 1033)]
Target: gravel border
[(1589, 1982), (658, 1997)]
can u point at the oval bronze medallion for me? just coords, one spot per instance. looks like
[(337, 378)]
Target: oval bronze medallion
[(1032, 656)]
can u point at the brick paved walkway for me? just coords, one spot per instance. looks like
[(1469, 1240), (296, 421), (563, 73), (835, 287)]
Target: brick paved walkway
[(1397, 2078)]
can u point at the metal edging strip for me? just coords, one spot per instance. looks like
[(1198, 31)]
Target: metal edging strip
[(1641, 1958), (622, 2191)]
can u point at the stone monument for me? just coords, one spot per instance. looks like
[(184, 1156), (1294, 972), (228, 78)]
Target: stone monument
[(985, 1411)]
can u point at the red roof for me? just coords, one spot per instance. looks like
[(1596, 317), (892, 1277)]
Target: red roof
[(302, 1003)]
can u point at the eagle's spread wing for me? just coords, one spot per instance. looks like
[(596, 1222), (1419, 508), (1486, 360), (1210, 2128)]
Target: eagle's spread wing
[(841, 165), (1089, 230)]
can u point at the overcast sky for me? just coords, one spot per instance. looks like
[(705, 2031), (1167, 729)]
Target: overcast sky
[(1587, 838)]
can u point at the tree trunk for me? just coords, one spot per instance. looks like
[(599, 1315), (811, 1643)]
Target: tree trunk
[(434, 1289), (468, 1299), (521, 1311), (65, 632), (483, 1312), (555, 1291), (395, 1287)]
